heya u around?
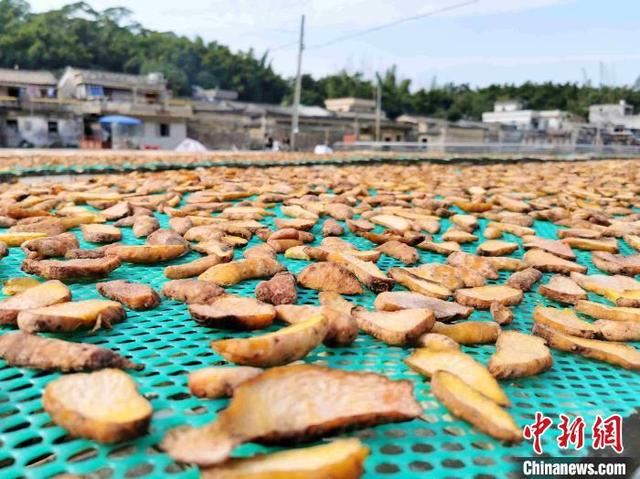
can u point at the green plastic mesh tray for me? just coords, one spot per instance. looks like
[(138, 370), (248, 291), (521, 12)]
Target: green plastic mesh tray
[(170, 344)]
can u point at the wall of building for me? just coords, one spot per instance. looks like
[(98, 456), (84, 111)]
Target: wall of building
[(151, 134), (33, 130)]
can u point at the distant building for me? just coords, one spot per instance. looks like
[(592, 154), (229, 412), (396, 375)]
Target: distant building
[(145, 97), (30, 113), (620, 114), (438, 131), (512, 113), (213, 94)]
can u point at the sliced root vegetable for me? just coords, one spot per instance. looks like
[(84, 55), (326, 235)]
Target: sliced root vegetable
[(395, 223), (41, 295), (193, 268), (332, 228), (549, 263), (443, 310), (466, 403), (32, 351), (484, 296), (97, 233), (476, 263), (228, 274), (133, 295), (618, 330), (444, 247), (555, 247), (51, 246), (458, 236), (396, 328), (73, 269), (67, 317), (17, 238), (609, 245), (418, 284), (504, 263), (15, 286), (511, 228), (104, 406), (366, 272), (466, 222), (605, 285), (564, 320), (525, 279), (297, 223), (492, 233), (274, 349), (603, 311), (519, 355), (233, 312), (192, 291), (267, 409), (296, 211), (633, 241), (469, 332), (496, 248), (501, 314), (146, 254), (400, 251), (219, 381), (436, 342), (475, 374), (617, 354), (339, 459), (616, 264), (446, 275), (562, 289), (329, 276), (281, 289)]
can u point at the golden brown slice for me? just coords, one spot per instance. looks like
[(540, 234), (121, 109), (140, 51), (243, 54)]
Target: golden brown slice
[(165, 236), (504, 263), (519, 355), (328, 276), (392, 222), (400, 251), (603, 244), (458, 236), (525, 279), (475, 374), (603, 284), (436, 342), (483, 296), (342, 328), (511, 228), (97, 233), (443, 247), (555, 247), (633, 241), (267, 409), (366, 272), (45, 294), (476, 263), (133, 295), (73, 269), (219, 381), (446, 275), (333, 300), (419, 285), (17, 238), (563, 320), (617, 354), (549, 263), (492, 233), (611, 313), (193, 268), (147, 253), (192, 291), (297, 223), (562, 289), (396, 328), (228, 274), (233, 312), (468, 404), (466, 222), (26, 350), (443, 310), (274, 349), (339, 459), (496, 248), (67, 317), (469, 332), (49, 247), (500, 313), (281, 289), (144, 226), (14, 286), (618, 330), (616, 263), (297, 211), (104, 405)]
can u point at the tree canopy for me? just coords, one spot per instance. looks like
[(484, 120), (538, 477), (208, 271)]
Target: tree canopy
[(77, 35)]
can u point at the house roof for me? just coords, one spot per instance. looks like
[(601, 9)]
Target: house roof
[(118, 80), (27, 77)]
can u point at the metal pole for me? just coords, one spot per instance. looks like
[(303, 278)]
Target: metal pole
[(378, 109), (298, 87)]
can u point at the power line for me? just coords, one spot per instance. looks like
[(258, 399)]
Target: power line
[(349, 36)]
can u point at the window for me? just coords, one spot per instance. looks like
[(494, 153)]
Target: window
[(27, 125), (52, 126), (12, 125), (14, 92), (165, 129), (95, 91)]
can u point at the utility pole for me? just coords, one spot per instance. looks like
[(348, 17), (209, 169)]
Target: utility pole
[(378, 109), (298, 87)]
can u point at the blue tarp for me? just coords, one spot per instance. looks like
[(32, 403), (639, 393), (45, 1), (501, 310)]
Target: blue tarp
[(119, 120)]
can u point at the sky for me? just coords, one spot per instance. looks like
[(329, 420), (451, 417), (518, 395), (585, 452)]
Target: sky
[(489, 41)]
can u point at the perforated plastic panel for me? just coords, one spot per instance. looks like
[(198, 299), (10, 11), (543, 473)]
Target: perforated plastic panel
[(170, 344)]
